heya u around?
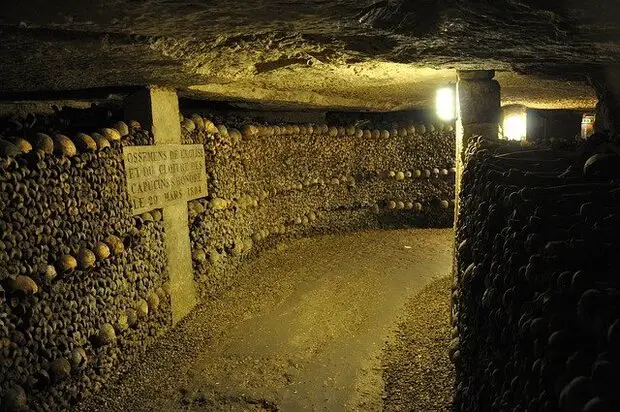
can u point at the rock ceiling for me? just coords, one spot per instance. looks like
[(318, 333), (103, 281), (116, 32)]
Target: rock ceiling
[(357, 54)]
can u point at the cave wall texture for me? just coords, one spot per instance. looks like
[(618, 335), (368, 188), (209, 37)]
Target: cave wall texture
[(535, 297), (337, 53), (83, 283)]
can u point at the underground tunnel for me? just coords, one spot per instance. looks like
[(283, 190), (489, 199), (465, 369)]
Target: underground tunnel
[(309, 206)]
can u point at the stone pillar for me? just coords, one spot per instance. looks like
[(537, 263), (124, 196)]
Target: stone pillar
[(478, 114), (157, 109)]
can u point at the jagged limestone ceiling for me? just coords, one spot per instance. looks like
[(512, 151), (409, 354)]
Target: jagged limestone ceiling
[(314, 53)]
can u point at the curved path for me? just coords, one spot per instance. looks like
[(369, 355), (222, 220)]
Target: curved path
[(306, 333)]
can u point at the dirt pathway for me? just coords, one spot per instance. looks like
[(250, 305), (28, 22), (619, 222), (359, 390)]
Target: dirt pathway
[(307, 335), (418, 374)]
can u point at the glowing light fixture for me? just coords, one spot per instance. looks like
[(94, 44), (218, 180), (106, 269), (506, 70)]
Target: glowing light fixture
[(514, 122), (515, 126), (445, 103)]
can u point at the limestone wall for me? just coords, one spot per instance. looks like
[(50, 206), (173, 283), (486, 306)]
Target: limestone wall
[(536, 295), (270, 183)]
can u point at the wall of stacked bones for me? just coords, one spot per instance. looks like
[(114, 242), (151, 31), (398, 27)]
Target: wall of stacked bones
[(83, 283), (269, 183), (537, 294)]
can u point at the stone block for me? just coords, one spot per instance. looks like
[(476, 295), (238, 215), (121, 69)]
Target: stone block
[(478, 101), (157, 109), (489, 131), (182, 287), (475, 74)]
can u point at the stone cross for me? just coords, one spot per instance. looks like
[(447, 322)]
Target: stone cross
[(166, 175)]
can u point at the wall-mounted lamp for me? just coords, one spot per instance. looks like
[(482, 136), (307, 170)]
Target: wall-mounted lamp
[(445, 103)]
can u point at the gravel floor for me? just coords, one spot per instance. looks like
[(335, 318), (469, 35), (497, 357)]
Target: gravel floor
[(417, 372), (303, 329)]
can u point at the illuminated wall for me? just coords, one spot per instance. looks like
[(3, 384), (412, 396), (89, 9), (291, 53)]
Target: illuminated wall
[(84, 288), (287, 181)]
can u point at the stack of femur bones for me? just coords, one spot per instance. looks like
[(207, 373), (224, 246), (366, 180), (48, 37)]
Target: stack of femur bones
[(537, 293), (268, 183), (82, 283)]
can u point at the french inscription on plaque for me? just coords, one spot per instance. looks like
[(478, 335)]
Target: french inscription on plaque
[(162, 175)]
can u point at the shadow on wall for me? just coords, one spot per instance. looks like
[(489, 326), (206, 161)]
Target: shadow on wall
[(547, 124), (536, 291)]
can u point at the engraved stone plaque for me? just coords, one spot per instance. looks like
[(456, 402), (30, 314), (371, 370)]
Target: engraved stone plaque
[(163, 175)]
